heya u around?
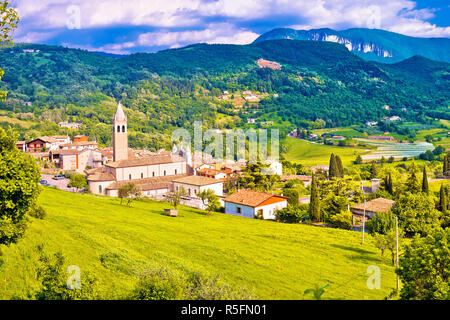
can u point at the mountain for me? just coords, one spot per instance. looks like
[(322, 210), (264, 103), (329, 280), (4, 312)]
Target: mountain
[(371, 44), (173, 88)]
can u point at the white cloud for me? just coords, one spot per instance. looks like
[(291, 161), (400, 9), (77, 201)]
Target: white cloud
[(180, 22)]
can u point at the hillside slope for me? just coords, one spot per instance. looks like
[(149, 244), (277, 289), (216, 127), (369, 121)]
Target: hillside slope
[(277, 261), (371, 44)]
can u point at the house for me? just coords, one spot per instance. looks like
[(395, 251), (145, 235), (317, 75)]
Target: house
[(381, 138), (80, 145), (69, 125), (251, 120), (21, 145), (251, 204), (196, 184), (338, 138), (76, 160), (211, 173), (50, 142), (372, 207), (371, 123), (305, 179), (275, 167), (318, 168), (80, 138), (37, 145), (386, 107), (392, 119)]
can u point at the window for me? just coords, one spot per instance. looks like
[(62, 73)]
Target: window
[(123, 129), (142, 175), (129, 176), (175, 171), (189, 191), (239, 210), (100, 189), (118, 128), (153, 173), (164, 172)]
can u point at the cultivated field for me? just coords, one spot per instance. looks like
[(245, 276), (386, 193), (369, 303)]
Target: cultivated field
[(276, 261), (310, 154)]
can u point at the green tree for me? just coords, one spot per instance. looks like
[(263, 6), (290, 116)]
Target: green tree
[(130, 191), (314, 204), (425, 267), (333, 170), (381, 223), (443, 199), (292, 195), (358, 159), (210, 200), (412, 183), (339, 166), (342, 220), (19, 176), (54, 284), (9, 19), (174, 197), (78, 181), (425, 181), (373, 170)]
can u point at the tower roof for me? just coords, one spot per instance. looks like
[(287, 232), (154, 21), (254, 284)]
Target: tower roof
[(120, 115)]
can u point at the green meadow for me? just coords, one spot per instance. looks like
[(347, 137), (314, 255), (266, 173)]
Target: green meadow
[(113, 242), (310, 154)]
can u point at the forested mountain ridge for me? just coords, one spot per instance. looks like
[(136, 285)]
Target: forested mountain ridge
[(172, 88), (371, 44)]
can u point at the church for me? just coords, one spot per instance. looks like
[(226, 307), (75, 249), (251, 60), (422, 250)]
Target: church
[(153, 173)]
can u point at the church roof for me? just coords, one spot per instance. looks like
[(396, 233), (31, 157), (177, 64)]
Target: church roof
[(120, 115), (198, 180), (155, 183), (146, 161)]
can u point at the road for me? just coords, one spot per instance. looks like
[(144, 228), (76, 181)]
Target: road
[(60, 184)]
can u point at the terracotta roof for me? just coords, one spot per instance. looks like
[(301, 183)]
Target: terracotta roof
[(79, 143), (51, 139), (251, 198), (155, 183), (198, 180), (376, 205), (145, 161), (300, 177), (101, 176), (209, 172), (67, 152)]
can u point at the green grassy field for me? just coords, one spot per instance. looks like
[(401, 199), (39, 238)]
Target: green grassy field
[(311, 154), (274, 260)]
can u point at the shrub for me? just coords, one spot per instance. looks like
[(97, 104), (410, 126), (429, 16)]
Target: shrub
[(78, 181), (292, 196), (342, 220), (291, 214), (37, 212)]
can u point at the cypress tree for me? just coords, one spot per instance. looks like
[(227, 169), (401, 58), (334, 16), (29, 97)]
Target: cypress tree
[(425, 181), (373, 171), (332, 170), (442, 199), (445, 168), (339, 166), (314, 205), (413, 183), (390, 184)]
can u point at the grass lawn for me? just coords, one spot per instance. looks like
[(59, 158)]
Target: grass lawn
[(310, 154), (277, 261)]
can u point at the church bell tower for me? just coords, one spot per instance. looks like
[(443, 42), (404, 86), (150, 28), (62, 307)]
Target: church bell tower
[(120, 135)]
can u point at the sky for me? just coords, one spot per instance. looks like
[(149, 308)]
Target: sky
[(129, 26)]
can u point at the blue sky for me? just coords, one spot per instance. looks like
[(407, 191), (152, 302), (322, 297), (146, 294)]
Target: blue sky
[(128, 26)]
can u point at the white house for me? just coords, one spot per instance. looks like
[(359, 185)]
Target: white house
[(196, 184), (251, 204)]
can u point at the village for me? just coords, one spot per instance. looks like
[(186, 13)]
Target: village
[(158, 174)]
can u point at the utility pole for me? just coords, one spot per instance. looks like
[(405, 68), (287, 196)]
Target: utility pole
[(396, 236)]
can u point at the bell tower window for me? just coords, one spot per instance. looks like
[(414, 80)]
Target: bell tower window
[(123, 129), (118, 128)]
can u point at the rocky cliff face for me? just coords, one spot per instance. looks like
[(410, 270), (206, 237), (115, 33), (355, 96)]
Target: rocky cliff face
[(371, 44)]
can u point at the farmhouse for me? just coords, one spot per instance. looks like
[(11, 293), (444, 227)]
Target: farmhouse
[(196, 184), (372, 207), (251, 204), (382, 138)]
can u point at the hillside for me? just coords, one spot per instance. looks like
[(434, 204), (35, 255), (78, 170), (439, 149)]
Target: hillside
[(371, 44), (172, 88), (112, 241)]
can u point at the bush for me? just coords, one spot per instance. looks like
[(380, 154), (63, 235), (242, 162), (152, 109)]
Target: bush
[(78, 181), (37, 212), (292, 195), (342, 220), (381, 223), (291, 214)]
